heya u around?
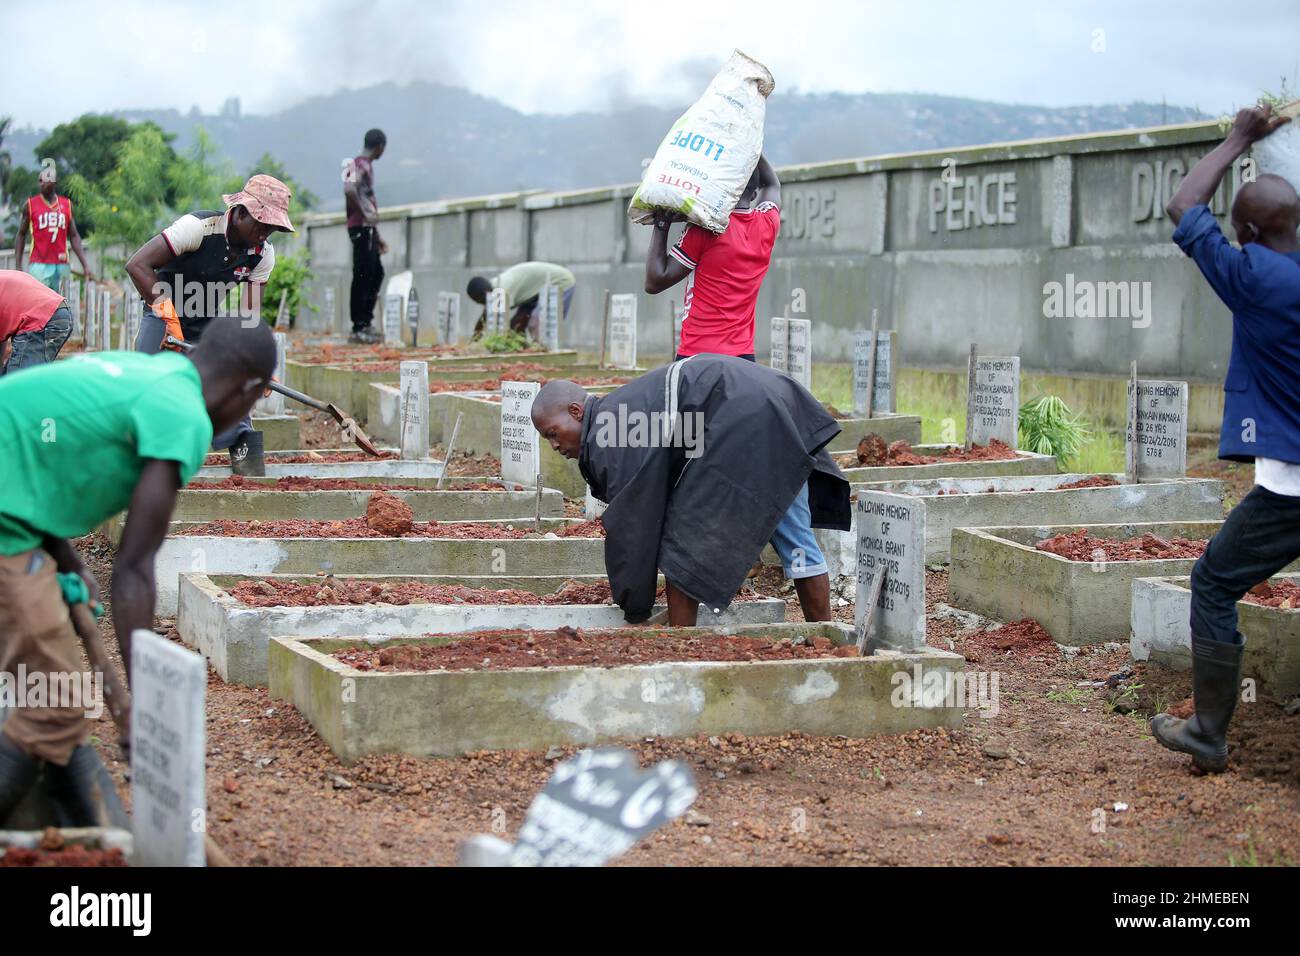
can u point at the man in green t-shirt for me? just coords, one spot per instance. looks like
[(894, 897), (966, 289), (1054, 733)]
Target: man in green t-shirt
[(523, 284), (79, 441)]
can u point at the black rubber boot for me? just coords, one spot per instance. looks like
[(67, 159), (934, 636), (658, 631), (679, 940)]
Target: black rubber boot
[(17, 775), (75, 789), (246, 455), (1216, 683)]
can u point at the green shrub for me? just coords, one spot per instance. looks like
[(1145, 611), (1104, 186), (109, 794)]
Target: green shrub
[(1048, 427), (506, 342)]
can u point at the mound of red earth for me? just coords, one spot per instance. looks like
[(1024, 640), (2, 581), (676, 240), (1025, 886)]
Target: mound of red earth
[(900, 453), (53, 850), (357, 528), (1283, 594), (303, 483), (1081, 546), (389, 515), (504, 650), (274, 458), (330, 590)]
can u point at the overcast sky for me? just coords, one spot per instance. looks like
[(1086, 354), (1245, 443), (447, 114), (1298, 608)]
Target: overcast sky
[(63, 57)]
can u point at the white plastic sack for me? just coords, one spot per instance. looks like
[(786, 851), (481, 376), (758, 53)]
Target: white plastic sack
[(1279, 152), (703, 164)]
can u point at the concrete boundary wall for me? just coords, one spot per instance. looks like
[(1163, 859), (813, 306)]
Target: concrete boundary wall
[(952, 246)]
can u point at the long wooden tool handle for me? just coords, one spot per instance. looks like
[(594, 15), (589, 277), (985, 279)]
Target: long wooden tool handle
[(284, 390)]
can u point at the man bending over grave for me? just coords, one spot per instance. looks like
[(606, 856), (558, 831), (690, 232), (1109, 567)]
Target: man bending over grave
[(523, 284), (702, 462), (83, 439), (1260, 283), (185, 273)]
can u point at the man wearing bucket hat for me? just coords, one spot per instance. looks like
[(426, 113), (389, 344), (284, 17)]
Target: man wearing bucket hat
[(49, 216), (186, 273)]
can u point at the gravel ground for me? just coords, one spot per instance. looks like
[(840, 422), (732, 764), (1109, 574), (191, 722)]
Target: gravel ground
[(1042, 782)]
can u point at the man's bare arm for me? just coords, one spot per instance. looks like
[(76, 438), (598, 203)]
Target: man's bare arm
[(1198, 186), (134, 588), (662, 271), (769, 187), (153, 255)]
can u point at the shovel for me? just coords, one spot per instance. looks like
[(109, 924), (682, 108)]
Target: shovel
[(349, 425)]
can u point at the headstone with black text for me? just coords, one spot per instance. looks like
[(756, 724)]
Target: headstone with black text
[(520, 443), (168, 748), (393, 311), (883, 401), (413, 316), (890, 531), (792, 349), (448, 318), (548, 325), (622, 331), (497, 323), (1161, 432), (414, 386), (995, 401)]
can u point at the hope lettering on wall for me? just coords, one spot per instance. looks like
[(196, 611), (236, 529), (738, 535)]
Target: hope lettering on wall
[(808, 214)]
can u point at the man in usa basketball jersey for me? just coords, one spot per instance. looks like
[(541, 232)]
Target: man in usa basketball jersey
[(50, 217)]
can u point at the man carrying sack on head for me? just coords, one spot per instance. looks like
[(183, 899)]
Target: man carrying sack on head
[(185, 273)]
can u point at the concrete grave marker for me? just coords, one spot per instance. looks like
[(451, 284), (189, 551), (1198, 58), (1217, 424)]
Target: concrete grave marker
[(91, 320), (549, 303), (622, 331), (448, 318), (496, 312), (74, 306), (328, 308), (993, 409), (105, 333), (168, 747), (598, 805), (273, 404), (792, 349), (134, 311), (520, 443), (414, 384), (883, 400), (393, 309), (1161, 448), (593, 507), (890, 530), (413, 316)]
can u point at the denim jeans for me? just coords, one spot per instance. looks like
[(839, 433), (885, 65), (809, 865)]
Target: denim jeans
[(42, 345), (1260, 537), (794, 541)]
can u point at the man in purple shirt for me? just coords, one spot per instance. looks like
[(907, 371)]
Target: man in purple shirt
[(1260, 283), (363, 230)]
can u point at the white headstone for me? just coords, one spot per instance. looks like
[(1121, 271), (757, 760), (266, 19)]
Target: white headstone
[(273, 404), (890, 530), (622, 331), (105, 333), (995, 409), (885, 393), (448, 318), (168, 747), (549, 303), (327, 307), (393, 309), (413, 316), (496, 312), (74, 306), (1161, 430), (134, 310), (92, 315), (520, 443), (593, 507), (414, 385), (792, 349)]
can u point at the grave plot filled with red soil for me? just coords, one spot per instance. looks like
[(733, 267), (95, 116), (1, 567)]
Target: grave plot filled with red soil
[(274, 458), (69, 856), (494, 384), (1092, 481), (327, 591), (872, 453), (302, 483), (1025, 636), (1279, 594), (1080, 546), (357, 528), (504, 650)]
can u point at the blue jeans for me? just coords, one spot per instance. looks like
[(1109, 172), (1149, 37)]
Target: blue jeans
[(42, 345), (794, 541), (149, 339)]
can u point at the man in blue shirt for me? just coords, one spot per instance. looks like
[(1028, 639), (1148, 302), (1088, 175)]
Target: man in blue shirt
[(1260, 283)]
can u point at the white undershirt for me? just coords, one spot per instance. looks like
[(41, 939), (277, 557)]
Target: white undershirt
[(1279, 477)]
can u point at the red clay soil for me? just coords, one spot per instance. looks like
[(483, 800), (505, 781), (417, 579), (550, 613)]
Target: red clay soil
[(357, 528), (272, 458), (302, 483), (1092, 481), (494, 384), (503, 650), (1282, 594), (1080, 546), (69, 856), (389, 515), (900, 453), (1025, 637)]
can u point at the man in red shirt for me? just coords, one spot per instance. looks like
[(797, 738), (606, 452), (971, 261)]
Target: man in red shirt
[(52, 225), (363, 230), (35, 318), (724, 273)]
